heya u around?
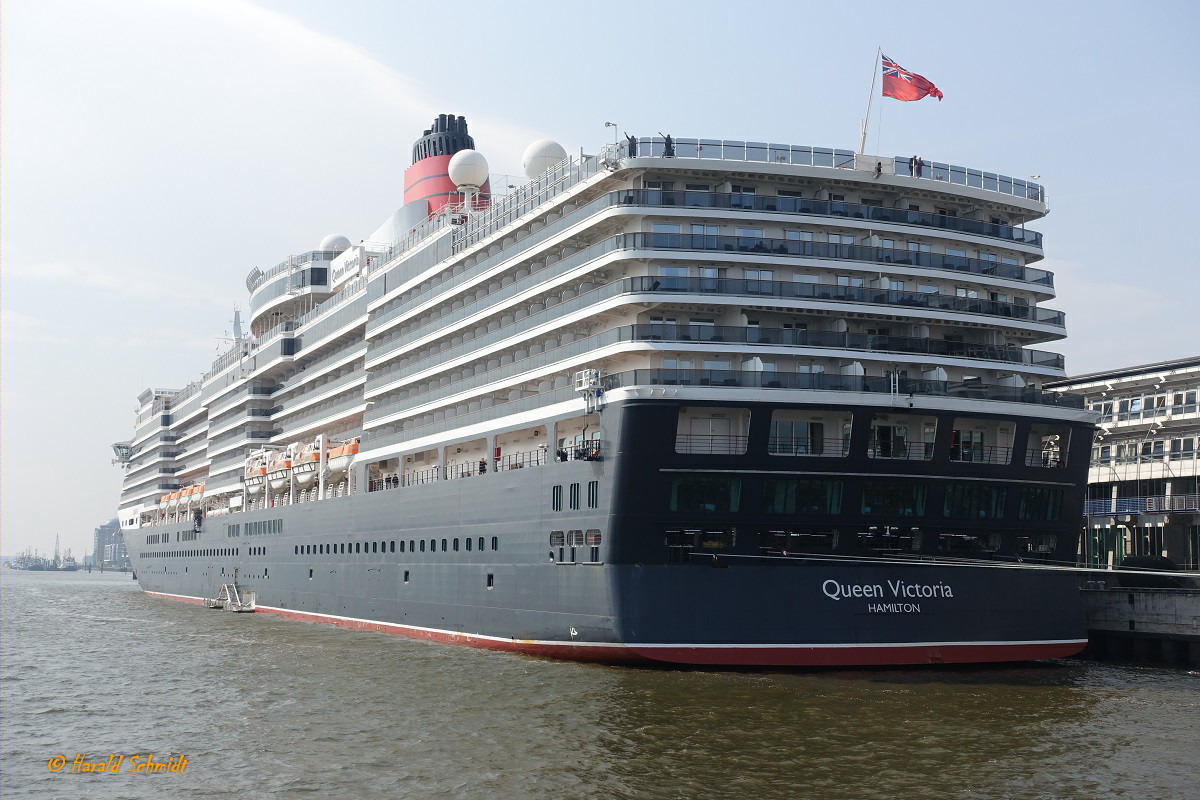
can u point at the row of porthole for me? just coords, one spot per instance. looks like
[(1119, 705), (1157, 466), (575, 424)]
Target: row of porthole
[(215, 552), (411, 546)]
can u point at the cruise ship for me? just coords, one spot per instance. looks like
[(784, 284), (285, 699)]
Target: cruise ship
[(686, 401)]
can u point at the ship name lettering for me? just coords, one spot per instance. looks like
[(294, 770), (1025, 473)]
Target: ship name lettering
[(902, 589), (894, 608), (836, 591)]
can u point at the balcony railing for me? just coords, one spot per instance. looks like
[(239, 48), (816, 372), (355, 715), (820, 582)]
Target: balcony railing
[(901, 451), (807, 446), (825, 208), (851, 294), (711, 444), (761, 245), (1138, 505), (1049, 459), (980, 454), (654, 146), (843, 383)]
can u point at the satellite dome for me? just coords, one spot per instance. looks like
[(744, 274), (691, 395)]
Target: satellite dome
[(541, 156), (335, 243), (468, 168)]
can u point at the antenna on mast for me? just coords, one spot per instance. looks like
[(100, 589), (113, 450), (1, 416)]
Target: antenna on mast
[(862, 142)]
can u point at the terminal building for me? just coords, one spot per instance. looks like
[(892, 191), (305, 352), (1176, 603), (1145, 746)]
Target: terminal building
[(1144, 480)]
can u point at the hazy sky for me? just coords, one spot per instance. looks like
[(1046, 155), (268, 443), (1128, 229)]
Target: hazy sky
[(154, 152)]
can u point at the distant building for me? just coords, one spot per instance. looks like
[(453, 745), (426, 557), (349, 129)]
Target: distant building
[(1144, 481), (108, 548)]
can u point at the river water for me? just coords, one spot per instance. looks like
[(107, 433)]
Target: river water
[(264, 706)]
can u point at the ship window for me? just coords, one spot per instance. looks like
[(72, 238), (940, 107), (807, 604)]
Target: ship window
[(444, 545), (495, 543), (974, 501), (393, 548), (406, 576), (422, 545), (574, 496), (556, 498), (374, 547), (481, 544), (491, 581), (557, 538), (593, 494), (787, 496), (456, 545), (412, 546), (342, 549), (310, 574), (1040, 505), (357, 547), (708, 495), (893, 499)]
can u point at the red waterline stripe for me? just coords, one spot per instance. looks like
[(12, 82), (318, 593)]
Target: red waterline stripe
[(722, 655)]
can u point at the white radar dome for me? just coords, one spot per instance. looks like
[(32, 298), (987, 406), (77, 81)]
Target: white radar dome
[(335, 243), (541, 156), (468, 168)]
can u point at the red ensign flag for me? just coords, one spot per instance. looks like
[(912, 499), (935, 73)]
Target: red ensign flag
[(904, 85)]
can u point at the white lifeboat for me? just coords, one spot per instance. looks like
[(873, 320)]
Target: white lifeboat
[(256, 476), (163, 502), (279, 472), (342, 456), (173, 500), (304, 466)]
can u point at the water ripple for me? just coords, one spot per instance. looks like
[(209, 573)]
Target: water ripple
[(264, 706)]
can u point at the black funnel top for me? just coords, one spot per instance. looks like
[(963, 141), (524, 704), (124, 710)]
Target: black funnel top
[(445, 137)]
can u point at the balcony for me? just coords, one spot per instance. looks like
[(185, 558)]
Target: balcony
[(796, 248), (1139, 505), (825, 208)]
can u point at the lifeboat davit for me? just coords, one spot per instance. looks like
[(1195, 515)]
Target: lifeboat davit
[(304, 466), (279, 473), (342, 456)]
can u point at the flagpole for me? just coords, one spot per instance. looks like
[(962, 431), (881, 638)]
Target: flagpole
[(862, 142)]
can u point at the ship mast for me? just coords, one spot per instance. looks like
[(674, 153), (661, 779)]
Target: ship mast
[(862, 142)]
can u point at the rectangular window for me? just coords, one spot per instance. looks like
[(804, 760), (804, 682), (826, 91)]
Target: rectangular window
[(799, 236), (973, 501), (893, 499), (927, 288), (706, 495), (574, 496), (850, 280), (796, 438), (788, 496), (556, 498), (593, 500), (1040, 505)]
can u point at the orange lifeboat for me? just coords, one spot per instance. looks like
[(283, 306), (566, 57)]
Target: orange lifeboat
[(342, 456), (256, 476), (304, 466), (279, 472)]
